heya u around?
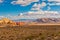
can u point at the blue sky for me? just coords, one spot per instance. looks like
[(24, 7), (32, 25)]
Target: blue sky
[(7, 8), (15, 7)]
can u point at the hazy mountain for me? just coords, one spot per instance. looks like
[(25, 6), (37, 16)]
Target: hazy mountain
[(48, 20), (24, 20)]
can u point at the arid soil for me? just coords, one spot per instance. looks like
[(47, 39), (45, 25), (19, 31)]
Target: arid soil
[(32, 32)]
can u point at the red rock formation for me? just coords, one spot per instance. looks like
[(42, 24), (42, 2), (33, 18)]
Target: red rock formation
[(20, 23)]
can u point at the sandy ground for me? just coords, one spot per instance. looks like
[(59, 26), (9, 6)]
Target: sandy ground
[(46, 24), (40, 32)]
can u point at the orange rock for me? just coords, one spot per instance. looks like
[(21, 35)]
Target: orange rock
[(20, 23)]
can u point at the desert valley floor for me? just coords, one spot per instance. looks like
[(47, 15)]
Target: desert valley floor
[(32, 32)]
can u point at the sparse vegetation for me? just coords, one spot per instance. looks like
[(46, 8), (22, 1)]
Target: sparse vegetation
[(30, 33)]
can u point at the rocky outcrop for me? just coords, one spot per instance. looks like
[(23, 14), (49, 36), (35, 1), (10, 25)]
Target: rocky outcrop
[(20, 23), (5, 21)]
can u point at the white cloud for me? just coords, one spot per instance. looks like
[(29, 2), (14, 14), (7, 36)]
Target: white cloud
[(35, 15), (54, 0), (2, 17), (1, 1), (40, 14), (24, 2), (38, 6), (57, 3), (43, 4), (51, 4)]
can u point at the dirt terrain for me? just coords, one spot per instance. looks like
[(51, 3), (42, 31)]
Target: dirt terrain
[(32, 32)]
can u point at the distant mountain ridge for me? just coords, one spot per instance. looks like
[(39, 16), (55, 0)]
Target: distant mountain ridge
[(48, 20), (40, 20)]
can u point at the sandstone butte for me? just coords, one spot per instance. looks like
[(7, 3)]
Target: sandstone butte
[(6, 21)]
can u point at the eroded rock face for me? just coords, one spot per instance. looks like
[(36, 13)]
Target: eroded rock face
[(6, 21)]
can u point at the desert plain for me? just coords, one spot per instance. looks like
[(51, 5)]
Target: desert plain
[(31, 32)]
